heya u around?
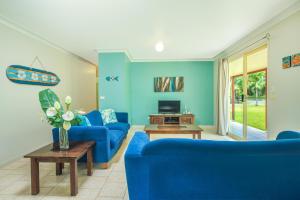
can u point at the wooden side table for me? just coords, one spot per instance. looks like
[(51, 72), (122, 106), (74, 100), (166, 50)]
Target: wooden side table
[(47, 154)]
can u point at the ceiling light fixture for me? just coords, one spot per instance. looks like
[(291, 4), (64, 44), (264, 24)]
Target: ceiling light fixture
[(159, 47)]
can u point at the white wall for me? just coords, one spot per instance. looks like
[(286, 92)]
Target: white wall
[(283, 104), (284, 96), (21, 128)]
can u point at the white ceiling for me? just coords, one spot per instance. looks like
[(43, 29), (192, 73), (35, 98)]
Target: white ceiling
[(190, 29)]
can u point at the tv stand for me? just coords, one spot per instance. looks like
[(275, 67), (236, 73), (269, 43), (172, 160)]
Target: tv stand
[(174, 119)]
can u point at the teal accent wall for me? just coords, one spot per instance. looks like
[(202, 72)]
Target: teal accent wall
[(116, 93), (134, 93), (197, 95)]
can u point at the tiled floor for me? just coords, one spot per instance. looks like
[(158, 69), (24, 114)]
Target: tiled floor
[(109, 184)]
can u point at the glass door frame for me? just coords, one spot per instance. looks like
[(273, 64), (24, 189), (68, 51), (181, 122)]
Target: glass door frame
[(245, 90)]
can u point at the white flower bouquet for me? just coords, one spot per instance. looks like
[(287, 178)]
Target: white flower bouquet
[(59, 117)]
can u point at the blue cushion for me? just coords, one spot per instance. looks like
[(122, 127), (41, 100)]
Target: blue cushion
[(118, 126), (116, 137), (95, 118), (84, 121)]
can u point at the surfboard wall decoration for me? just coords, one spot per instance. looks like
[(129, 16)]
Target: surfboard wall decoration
[(31, 76)]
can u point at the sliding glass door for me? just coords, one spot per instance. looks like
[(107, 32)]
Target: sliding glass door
[(248, 105), (237, 98)]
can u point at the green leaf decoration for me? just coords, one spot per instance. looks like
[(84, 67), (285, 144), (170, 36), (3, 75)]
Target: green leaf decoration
[(77, 120), (47, 99)]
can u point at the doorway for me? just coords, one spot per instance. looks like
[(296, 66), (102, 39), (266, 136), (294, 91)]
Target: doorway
[(248, 95)]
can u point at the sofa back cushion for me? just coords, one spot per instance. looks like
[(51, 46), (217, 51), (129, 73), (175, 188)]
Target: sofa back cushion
[(108, 116), (196, 169), (95, 118)]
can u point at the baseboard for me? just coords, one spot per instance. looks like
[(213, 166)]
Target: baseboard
[(137, 127), (209, 128), (18, 157)]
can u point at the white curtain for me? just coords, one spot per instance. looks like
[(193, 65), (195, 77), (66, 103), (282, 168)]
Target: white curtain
[(223, 97)]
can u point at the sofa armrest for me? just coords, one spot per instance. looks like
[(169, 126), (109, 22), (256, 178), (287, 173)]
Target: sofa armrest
[(84, 133), (288, 135), (137, 167), (136, 145), (122, 117)]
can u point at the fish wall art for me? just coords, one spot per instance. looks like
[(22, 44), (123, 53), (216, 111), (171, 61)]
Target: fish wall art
[(112, 78)]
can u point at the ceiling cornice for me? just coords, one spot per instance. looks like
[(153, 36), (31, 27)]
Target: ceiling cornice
[(126, 51), (260, 31), (8, 23)]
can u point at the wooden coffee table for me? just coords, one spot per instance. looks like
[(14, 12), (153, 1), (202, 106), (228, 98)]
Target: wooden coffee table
[(174, 129), (47, 154)]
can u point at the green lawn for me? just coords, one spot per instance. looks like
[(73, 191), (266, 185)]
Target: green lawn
[(256, 116)]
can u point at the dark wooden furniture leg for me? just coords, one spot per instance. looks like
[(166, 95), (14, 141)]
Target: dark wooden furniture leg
[(73, 177), (89, 163), (35, 176), (59, 167), (199, 135), (194, 136)]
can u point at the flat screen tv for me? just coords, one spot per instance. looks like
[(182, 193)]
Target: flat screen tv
[(168, 107)]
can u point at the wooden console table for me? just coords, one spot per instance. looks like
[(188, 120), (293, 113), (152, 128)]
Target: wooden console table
[(172, 119), (47, 154)]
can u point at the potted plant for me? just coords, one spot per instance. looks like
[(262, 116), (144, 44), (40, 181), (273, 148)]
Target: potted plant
[(59, 117)]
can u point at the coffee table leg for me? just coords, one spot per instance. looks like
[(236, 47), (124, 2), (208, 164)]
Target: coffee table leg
[(59, 167), (194, 136), (73, 177), (89, 162), (35, 177)]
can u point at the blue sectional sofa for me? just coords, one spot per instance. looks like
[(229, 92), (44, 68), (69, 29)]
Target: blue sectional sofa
[(185, 169), (108, 138)]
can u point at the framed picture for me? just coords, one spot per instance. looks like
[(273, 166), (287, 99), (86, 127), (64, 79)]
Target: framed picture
[(296, 60), (286, 62), (168, 84)]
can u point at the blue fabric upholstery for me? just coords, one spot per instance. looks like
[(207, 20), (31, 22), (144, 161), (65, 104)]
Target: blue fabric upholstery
[(116, 137), (107, 140), (122, 117), (185, 169), (118, 126), (95, 118), (288, 135)]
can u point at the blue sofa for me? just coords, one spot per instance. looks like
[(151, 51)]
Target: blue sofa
[(185, 169), (108, 138)]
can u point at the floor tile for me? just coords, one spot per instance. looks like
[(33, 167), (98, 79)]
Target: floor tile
[(91, 182), (104, 184), (108, 198), (117, 176), (113, 189)]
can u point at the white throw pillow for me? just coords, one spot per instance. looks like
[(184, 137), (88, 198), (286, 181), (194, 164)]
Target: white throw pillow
[(108, 116)]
